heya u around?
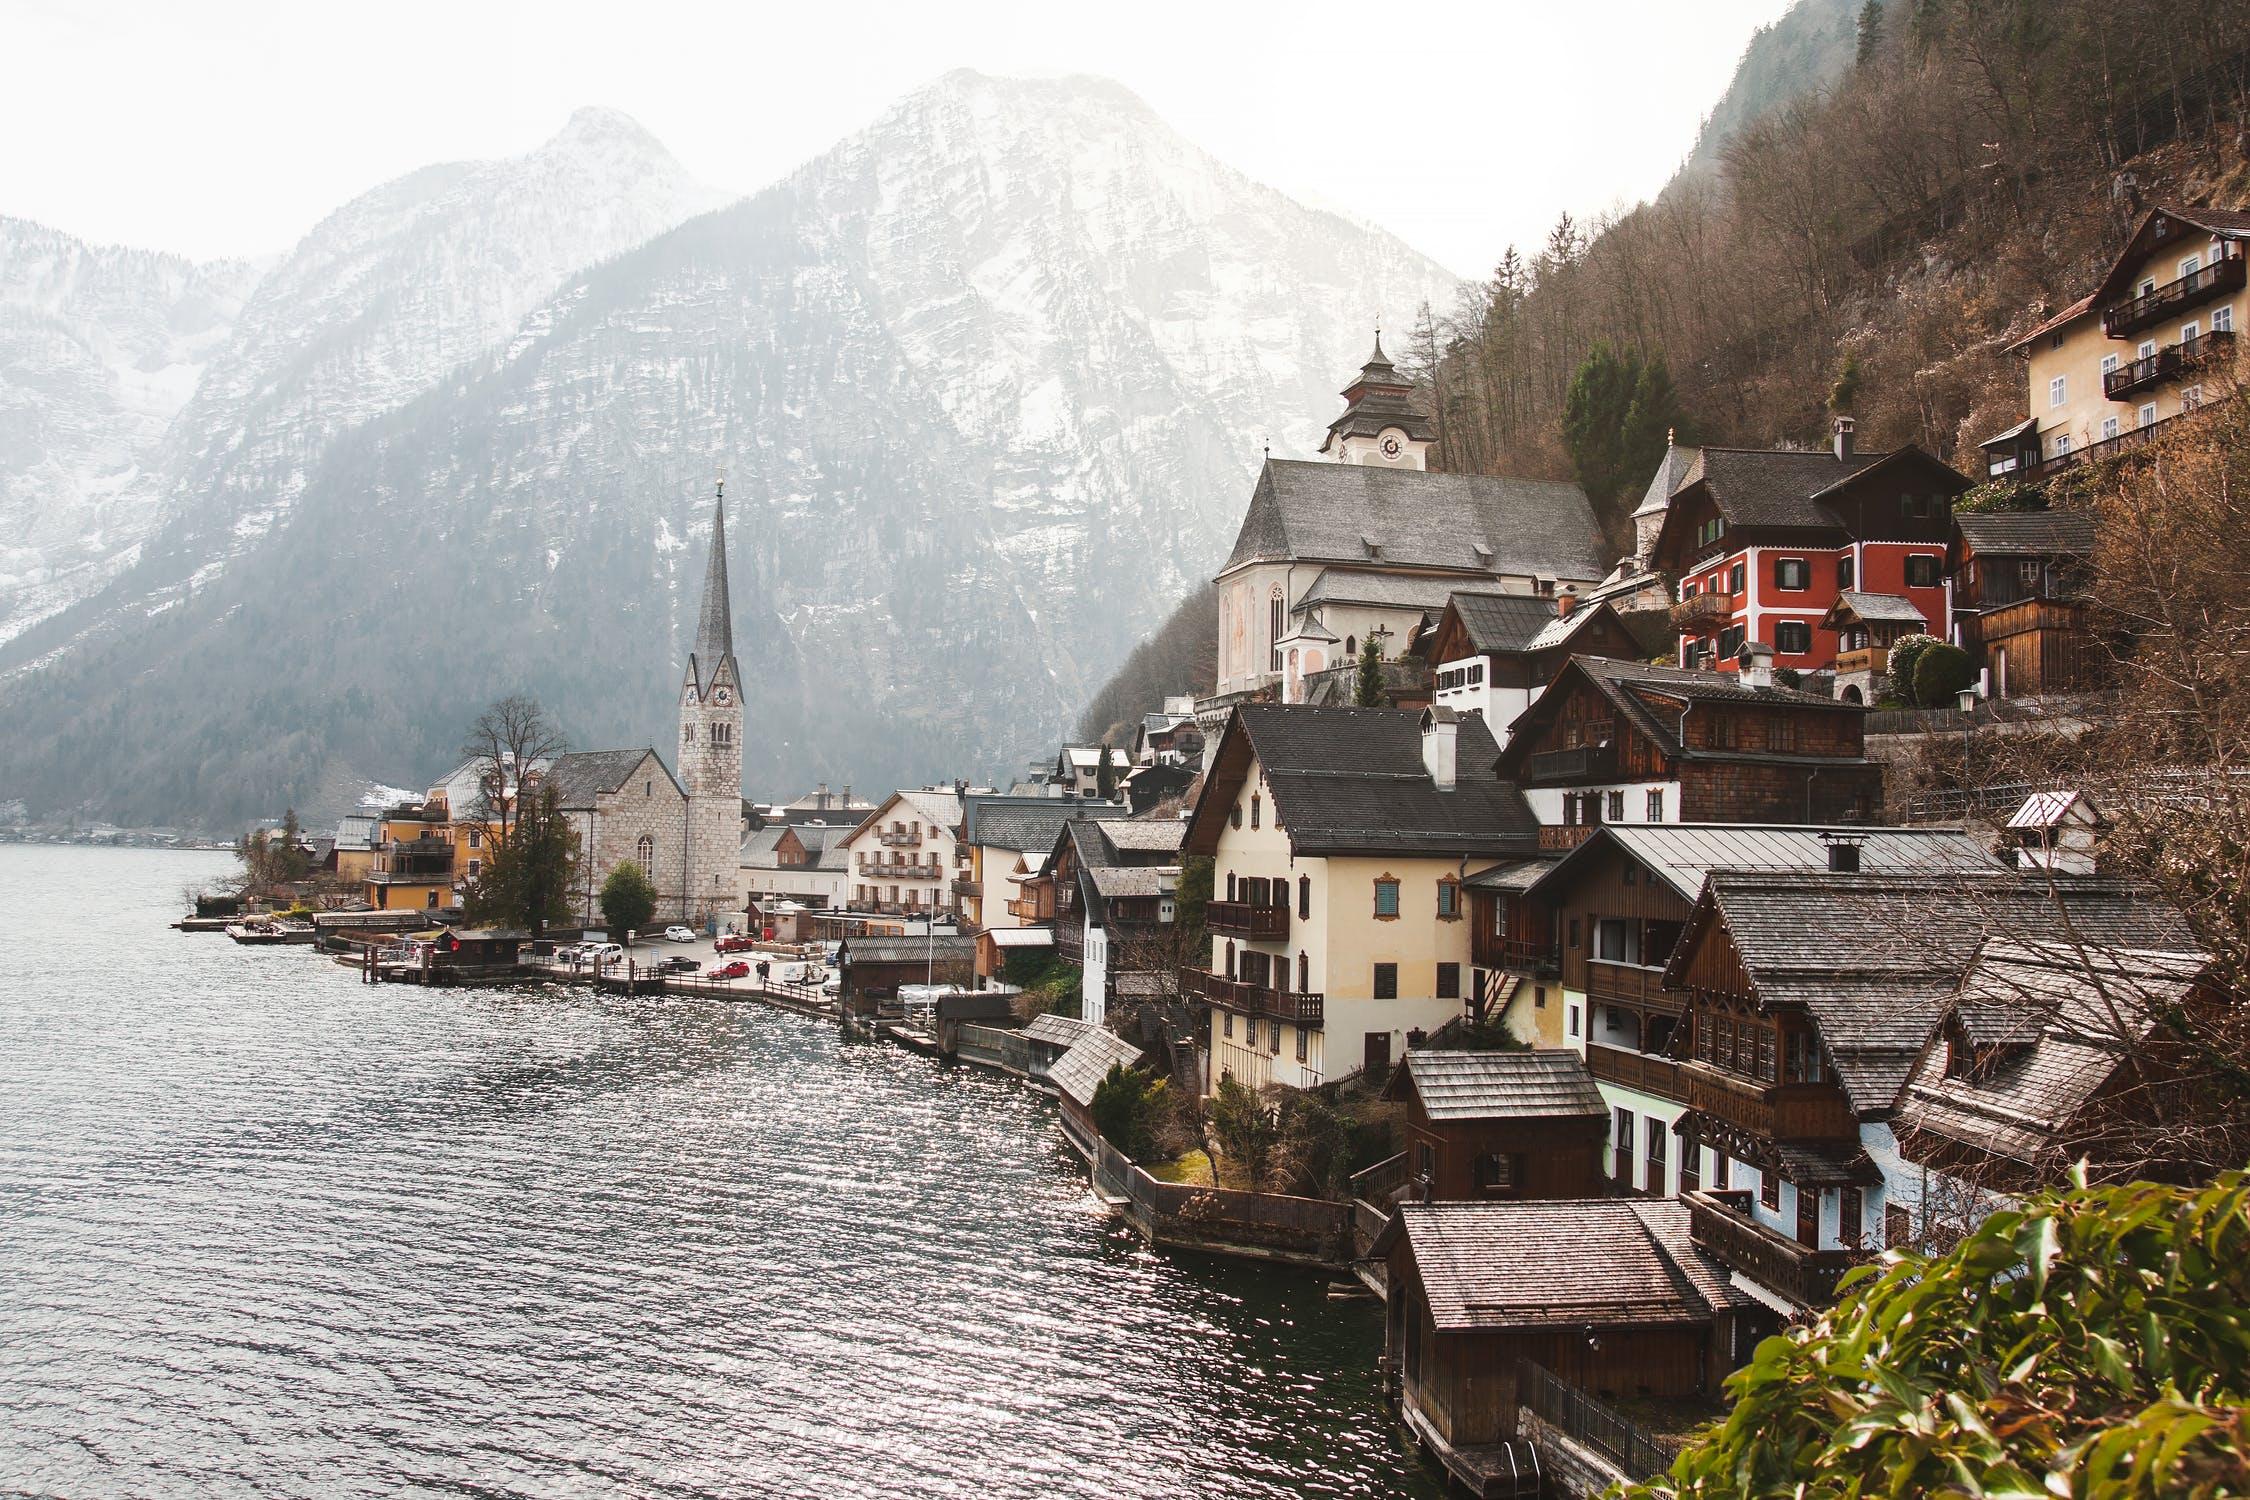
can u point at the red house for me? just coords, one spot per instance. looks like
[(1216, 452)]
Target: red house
[(1763, 541)]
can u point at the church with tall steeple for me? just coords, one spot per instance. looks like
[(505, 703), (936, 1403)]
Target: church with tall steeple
[(711, 736)]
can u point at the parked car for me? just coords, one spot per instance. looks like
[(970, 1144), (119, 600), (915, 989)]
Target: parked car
[(603, 953), (678, 963), (567, 953), (735, 970), (736, 942), (677, 933)]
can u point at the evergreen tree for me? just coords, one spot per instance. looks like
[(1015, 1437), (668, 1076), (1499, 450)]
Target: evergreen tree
[(1617, 418), (628, 901), (1367, 691), (527, 876), (1105, 774), (1870, 31)]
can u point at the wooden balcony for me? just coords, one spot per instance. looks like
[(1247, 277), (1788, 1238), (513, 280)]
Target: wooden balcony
[(2174, 297), (967, 885), (1286, 1005), (1029, 909), (1070, 943), (898, 838), (1865, 659), (1243, 919), (1565, 836), (1777, 1111), (1631, 984), (1720, 1222), (1579, 763), (1489, 952), (1699, 612), (2172, 362), (1635, 1070)]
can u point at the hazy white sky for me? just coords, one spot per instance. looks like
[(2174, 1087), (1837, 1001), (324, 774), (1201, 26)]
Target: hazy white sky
[(231, 128)]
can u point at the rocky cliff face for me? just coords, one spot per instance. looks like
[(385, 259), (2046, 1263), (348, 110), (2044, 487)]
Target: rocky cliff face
[(989, 381)]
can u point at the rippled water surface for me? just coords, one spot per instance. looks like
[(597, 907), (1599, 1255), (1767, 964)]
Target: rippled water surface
[(266, 1230)]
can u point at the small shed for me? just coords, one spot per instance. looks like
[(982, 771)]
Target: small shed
[(1002, 952), (1047, 1038), (1608, 1294), (872, 967), (1501, 1124), (1079, 1071), (2058, 830), (479, 948)]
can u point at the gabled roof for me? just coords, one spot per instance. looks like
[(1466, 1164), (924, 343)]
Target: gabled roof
[(1683, 854), (1144, 835), (1352, 780), (2220, 223), (1021, 937), (1635, 688), (1875, 609), (1540, 1085), (1513, 874), (1568, 1262), (1113, 881), (2063, 1018), (1792, 490), (2027, 533), (1057, 1031), (1079, 1071), (1875, 958), (905, 948), (1496, 623), (583, 775), (1027, 824), (938, 809), (1378, 590), (1303, 511)]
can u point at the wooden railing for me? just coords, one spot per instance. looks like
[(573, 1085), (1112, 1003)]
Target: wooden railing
[(1864, 659), (1631, 983), (968, 885), (1635, 1070), (1244, 919), (2135, 313), (2168, 363), (898, 838), (1777, 1111), (1286, 1005), (1721, 1223)]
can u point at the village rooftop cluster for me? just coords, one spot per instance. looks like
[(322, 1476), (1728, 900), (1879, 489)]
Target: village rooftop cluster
[(1587, 870)]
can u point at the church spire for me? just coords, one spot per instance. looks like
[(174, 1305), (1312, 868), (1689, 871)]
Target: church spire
[(714, 629)]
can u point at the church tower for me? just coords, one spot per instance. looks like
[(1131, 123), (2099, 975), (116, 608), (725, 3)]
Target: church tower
[(1381, 424), (711, 740)]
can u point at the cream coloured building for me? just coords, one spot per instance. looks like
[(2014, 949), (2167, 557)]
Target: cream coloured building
[(908, 853), (1340, 839), (2155, 339)]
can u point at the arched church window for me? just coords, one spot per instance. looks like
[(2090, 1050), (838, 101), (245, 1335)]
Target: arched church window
[(1351, 645), (646, 849)]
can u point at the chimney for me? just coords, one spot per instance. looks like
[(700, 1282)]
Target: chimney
[(1566, 600), (1440, 727), (1843, 439), (820, 798), (1843, 854), (1755, 665), (847, 795)]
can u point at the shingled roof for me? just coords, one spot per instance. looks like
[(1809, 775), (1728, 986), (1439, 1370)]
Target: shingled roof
[(2028, 533), (1515, 622), (1874, 959), (1547, 1084), (1304, 511), (1682, 854), (2059, 1020), (1352, 780), (1631, 686), (1079, 1071), (1027, 824), (1672, 471), (1573, 1262), (580, 777)]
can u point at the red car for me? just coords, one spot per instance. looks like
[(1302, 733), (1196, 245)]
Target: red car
[(736, 970), (737, 943)]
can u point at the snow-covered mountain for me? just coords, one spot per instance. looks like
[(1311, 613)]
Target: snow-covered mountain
[(989, 381), (382, 299), (100, 347)]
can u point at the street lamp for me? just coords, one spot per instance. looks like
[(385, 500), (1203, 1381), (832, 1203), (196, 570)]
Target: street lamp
[(1966, 701)]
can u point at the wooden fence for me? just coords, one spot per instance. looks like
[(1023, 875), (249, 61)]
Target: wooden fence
[(993, 1047)]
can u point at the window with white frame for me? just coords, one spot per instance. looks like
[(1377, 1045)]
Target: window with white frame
[(2191, 397), (2058, 390), (2146, 416), (2191, 265), (2222, 319), (2062, 444), (2109, 428), (2109, 365), (2191, 330)]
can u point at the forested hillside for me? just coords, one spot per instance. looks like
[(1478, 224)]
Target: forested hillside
[(1871, 246)]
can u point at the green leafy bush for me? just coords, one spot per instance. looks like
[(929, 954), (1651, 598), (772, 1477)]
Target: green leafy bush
[(1940, 672), (2091, 1343), (1127, 1107), (1904, 653)]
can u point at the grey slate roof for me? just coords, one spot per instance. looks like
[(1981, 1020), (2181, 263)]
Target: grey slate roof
[(1884, 608), (1625, 682), (909, 948), (1028, 824), (1112, 881), (1765, 487), (1057, 1031), (1682, 854), (714, 626), (761, 849), (1079, 1071), (1547, 1084), (1566, 1261), (2030, 533), (2064, 1019), (1514, 622), (1513, 874), (1671, 472), (1320, 512), (1144, 835), (580, 777), (1347, 779), (1875, 958), (1382, 590)]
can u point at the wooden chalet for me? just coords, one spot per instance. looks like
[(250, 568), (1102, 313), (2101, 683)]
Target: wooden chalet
[(1810, 1000), (2048, 1055), (1624, 742), (1501, 1124), (1610, 1294), (2021, 604), (1493, 653)]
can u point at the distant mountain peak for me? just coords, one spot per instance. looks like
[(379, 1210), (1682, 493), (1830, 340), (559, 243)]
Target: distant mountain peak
[(603, 125)]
